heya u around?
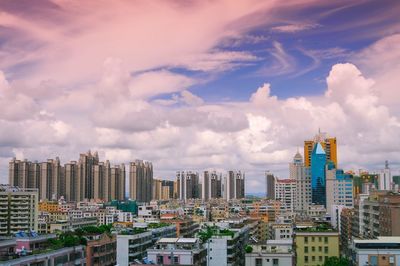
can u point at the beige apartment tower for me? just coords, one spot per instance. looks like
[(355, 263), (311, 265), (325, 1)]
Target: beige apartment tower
[(141, 181)]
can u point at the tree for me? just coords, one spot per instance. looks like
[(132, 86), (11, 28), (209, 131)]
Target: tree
[(338, 261)]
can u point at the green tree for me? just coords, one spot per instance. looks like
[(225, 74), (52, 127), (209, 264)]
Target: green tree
[(338, 261)]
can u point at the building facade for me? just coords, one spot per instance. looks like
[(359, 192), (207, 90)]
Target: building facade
[(301, 174), (141, 181), (18, 210), (318, 180)]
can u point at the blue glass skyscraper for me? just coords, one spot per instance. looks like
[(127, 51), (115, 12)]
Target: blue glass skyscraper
[(318, 179)]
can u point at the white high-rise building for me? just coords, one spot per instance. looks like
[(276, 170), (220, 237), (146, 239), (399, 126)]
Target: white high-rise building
[(285, 191), (339, 189), (385, 178), (301, 174)]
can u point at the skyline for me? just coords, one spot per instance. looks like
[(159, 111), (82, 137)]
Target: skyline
[(196, 86)]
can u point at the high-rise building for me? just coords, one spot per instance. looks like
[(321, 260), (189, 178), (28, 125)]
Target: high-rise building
[(19, 209), (205, 190), (215, 185), (301, 174), (72, 190), (285, 191), (141, 181), (188, 185), (211, 185), (85, 174), (339, 188), (318, 182), (329, 145), (270, 182), (86, 179), (234, 185), (385, 178)]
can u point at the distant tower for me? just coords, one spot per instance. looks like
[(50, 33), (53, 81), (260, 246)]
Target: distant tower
[(270, 185), (385, 178)]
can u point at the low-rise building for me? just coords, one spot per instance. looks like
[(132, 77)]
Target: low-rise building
[(101, 250), (383, 251), (271, 253), (64, 256), (178, 251), (18, 209), (280, 231), (314, 245)]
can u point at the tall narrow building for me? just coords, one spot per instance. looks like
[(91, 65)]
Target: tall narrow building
[(205, 191), (141, 181), (301, 174), (234, 185), (85, 174), (270, 185), (318, 179), (72, 188), (385, 178), (188, 185)]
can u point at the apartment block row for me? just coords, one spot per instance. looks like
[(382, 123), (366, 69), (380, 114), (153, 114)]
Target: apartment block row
[(87, 178), (212, 185)]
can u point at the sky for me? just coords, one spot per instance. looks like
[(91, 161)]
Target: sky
[(200, 85)]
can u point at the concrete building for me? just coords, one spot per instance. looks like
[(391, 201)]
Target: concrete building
[(64, 256), (272, 253), (178, 251), (385, 178), (86, 179), (346, 227), (314, 246), (270, 182), (101, 250), (226, 242), (188, 185), (211, 186), (18, 209), (280, 231), (339, 193), (358, 227), (134, 242), (234, 185), (383, 251), (301, 174), (285, 191), (141, 181)]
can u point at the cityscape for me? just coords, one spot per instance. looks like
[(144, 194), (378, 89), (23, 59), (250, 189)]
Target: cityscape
[(205, 133)]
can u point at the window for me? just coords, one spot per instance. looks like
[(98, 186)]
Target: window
[(305, 249), (176, 259), (313, 249), (320, 239), (258, 262), (275, 262), (326, 258), (160, 259), (326, 240), (312, 239), (306, 240), (326, 249), (313, 258), (306, 259), (320, 249), (320, 258)]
